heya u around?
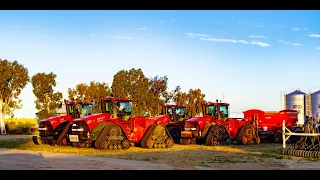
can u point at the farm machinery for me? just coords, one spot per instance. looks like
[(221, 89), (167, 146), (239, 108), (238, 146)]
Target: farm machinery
[(173, 117), (114, 129), (270, 123), (55, 130), (308, 145), (216, 128)]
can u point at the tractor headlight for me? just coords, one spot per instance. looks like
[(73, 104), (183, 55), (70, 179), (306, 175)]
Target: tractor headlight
[(80, 129), (42, 129)]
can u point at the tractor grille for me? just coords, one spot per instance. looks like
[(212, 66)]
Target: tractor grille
[(189, 124), (45, 129), (81, 129)]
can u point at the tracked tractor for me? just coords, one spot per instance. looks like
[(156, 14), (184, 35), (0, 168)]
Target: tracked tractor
[(216, 128), (173, 117), (55, 130), (115, 129)]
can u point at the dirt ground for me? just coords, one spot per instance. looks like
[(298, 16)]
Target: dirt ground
[(179, 157)]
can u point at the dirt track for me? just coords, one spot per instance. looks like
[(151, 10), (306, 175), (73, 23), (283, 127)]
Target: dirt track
[(210, 158)]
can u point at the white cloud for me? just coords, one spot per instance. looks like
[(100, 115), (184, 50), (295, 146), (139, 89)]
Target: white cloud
[(295, 29), (160, 21), (142, 28), (261, 37), (293, 44), (224, 40), (192, 35), (105, 36), (260, 43), (305, 28), (318, 47), (314, 35), (122, 37), (296, 44), (258, 25)]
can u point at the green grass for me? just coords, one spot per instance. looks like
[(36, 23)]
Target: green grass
[(271, 155)]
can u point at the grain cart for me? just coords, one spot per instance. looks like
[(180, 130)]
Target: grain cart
[(119, 130), (308, 145), (270, 123), (215, 128), (55, 130), (173, 117)]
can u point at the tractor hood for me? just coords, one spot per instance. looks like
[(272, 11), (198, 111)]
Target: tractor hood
[(94, 118), (200, 118), (57, 119), (162, 118)]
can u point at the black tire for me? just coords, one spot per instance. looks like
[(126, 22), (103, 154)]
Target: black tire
[(175, 133)]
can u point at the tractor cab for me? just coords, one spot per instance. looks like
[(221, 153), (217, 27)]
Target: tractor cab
[(117, 107), (218, 110), (78, 109), (177, 113)]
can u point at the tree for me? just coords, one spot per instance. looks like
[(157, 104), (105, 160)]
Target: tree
[(90, 93), (157, 92), (47, 99), (132, 84), (14, 77), (195, 100)]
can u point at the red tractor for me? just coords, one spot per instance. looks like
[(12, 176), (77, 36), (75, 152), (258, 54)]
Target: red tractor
[(270, 123), (173, 117), (215, 128), (55, 130), (114, 129)]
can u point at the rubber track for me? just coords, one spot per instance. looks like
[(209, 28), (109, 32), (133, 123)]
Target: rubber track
[(147, 134), (101, 138), (209, 136), (184, 141), (63, 133)]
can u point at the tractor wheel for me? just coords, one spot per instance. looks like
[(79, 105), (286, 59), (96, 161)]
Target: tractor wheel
[(185, 141), (78, 145), (125, 144), (43, 141), (63, 142), (175, 133), (257, 140), (246, 134), (168, 142), (221, 134), (209, 136), (244, 140)]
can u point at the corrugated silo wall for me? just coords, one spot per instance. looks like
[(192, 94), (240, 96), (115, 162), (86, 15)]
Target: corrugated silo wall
[(315, 103), (297, 101)]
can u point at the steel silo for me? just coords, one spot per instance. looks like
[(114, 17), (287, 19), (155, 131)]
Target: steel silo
[(296, 101), (315, 103)]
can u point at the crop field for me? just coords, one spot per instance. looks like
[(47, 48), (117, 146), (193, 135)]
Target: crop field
[(262, 156), (22, 121)]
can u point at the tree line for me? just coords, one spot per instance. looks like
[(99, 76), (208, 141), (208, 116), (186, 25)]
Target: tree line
[(148, 93)]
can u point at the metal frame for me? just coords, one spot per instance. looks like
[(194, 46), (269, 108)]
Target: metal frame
[(286, 135)]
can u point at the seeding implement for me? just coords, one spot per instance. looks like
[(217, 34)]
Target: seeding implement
[(114, 129), (270, 123), (173, 117), (55, 130), (308, 145), (215, 128)]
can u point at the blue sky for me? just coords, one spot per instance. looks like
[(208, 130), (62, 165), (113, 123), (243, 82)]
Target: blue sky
[(246, 56)]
